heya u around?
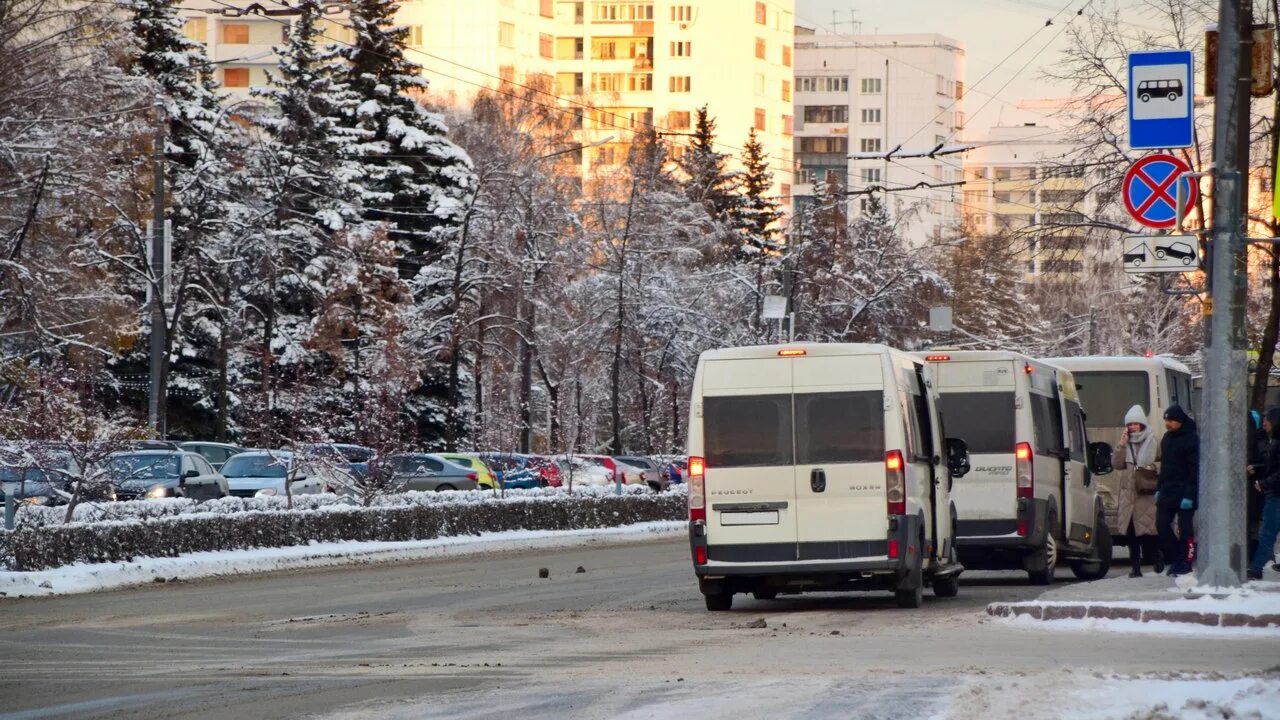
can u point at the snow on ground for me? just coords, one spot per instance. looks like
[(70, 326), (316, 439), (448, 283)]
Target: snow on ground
[(1134, 627), (83, 578), (1073, 696)]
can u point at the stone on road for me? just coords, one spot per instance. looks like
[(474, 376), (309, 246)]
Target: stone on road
[(484, 637)]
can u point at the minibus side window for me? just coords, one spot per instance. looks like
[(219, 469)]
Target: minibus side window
[(921, 428), (1075, 428), (1047, 419), (747, 431)]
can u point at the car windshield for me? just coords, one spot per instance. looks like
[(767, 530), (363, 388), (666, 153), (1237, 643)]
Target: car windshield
[(355, 454), (15, 475), (241, 466), (145, 466)]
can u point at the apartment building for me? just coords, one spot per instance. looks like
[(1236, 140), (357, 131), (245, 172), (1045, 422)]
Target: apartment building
[(1019, 182), (871, 94), (621, 64)]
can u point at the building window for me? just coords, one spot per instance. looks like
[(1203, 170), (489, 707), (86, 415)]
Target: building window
[(762, 14), (940, 85), (787, 125), (870, 145), (786, 55), (235, 34), (507, 73), (569, 48), (870, 175), (621, 82), (760, 88), (959, 120), (786, 191), (546, 9), (197, 29), (760, 119), (678, 120), (235, 77), (569, 83), (870, 116), (822, 84), (871, 86), (959, 89), (681, 13), (826, 113), (506, 35), (680, 84), (546, 45), (681, 48), (415, 35), (824, 145), (622, 11), (761, 51), (786, 91)]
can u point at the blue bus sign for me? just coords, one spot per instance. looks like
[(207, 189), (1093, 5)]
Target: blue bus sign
[(1161, 102)]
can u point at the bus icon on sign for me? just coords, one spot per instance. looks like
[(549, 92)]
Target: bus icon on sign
[(1168, 89)]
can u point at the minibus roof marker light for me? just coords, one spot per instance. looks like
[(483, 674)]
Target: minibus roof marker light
[(792, 352)]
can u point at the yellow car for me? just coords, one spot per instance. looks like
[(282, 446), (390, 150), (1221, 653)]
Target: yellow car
[(487, 480)]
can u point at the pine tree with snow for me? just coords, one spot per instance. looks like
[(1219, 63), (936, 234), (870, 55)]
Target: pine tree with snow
[(758, 216), (707, 178), (413, 177), (988, 293), (199, 137)]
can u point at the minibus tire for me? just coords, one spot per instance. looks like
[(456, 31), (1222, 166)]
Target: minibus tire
[(719, 602), (946, 586), (1098, 568), (910, 598), (1046, 560)]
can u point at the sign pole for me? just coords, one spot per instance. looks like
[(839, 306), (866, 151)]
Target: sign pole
[(1220, 552)]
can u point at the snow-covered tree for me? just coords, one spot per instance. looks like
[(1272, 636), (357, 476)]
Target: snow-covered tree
[(988, 293), (759, 211), (706, 177)]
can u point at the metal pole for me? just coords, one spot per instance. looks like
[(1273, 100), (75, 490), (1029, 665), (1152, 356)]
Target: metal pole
[(10, 508), (1219, 556), (155, 406)]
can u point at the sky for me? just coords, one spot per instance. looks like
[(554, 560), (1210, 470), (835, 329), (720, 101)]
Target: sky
[(989, 29)]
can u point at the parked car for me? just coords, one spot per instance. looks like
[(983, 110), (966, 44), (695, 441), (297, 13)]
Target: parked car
[(579, 471), (44, 476), (514, 472), (216, 453), (263, 473), (652, 472), (422, 471), (485, 477), (152, 474), (356, 457), (605, 462), (548, 470)]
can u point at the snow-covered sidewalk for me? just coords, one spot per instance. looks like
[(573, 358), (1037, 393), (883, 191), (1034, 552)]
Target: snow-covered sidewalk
[(1151, 603), (82, 578)]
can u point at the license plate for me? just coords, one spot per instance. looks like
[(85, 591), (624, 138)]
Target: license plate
[(769, 517)]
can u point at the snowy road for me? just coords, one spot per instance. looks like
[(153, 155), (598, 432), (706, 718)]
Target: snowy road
[(484, 637)]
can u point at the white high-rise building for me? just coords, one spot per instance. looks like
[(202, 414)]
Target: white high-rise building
[(872, 94), (620, 64)]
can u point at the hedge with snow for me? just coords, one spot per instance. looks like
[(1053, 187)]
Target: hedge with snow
[(171, 528)]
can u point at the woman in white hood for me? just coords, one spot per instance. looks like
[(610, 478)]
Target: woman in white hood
[(1138, 457)]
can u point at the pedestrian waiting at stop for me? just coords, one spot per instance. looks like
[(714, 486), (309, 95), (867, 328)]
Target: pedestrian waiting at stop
[(1267, 482), (1178, 487), (1138, 454)]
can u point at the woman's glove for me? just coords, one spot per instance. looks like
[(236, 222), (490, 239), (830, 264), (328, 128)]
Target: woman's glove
[(1186, 504)]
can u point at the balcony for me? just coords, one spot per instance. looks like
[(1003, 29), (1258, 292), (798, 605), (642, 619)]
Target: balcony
[(642, 63)]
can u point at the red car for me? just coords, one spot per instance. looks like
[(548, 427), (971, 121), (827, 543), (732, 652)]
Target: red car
[(548, 470)]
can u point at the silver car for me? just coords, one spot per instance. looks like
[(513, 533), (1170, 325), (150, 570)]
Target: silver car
[(423, 471)]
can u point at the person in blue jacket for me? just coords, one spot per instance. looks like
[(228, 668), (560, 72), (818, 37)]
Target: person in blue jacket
[(1178, 487), (1266, 480)]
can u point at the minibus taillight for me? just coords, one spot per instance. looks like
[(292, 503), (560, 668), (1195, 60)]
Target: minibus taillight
[(1024, 470), (697, 489), (895, 482)]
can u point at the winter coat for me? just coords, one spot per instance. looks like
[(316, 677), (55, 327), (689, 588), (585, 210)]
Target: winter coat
[(1141, 451), (1267, 472), (1180, 466)]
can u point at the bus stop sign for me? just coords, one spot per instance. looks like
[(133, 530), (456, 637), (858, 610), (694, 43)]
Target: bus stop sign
[(1150, 190), (1160, 100)]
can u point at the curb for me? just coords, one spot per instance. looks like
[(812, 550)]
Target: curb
[(1082, 611)]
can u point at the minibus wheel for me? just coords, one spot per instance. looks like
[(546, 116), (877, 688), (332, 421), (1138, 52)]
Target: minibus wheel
[(719, 602)]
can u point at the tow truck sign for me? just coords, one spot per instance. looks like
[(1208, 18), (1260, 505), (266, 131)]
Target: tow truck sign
[(1161, 253)]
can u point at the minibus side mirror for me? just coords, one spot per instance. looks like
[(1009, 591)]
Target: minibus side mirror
[(1100, 458), (957, 457)]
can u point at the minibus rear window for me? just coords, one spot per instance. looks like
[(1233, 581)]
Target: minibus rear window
[(747, 431), (844, 427), (1107, 396), (984, 420)]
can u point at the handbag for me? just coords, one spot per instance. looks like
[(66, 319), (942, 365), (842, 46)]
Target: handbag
[(1145, 480)]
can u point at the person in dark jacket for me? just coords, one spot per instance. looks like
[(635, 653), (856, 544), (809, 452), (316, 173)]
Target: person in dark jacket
[(1255, 454), (1267, 481), (1178, 487)]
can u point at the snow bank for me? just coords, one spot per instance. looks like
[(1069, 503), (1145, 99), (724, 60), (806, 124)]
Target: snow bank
[(83, 578)]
